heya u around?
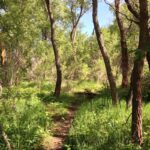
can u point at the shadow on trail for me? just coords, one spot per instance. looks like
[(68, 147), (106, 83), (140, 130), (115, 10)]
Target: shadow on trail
[(50, 98), (77, 98)]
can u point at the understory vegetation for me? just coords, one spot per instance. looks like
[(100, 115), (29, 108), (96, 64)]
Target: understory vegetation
[(100, 126), (28, 111)]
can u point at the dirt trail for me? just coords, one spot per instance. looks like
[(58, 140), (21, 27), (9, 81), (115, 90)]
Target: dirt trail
[(62, 126)]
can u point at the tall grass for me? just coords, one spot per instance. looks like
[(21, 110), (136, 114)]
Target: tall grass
[(99, 126), (24, 117), (27, 112)]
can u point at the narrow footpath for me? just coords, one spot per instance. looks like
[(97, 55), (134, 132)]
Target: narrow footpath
[(62, 126)]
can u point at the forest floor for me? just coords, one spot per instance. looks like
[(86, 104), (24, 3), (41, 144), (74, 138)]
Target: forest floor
[(62, 126), (34, 119), (44, 120)]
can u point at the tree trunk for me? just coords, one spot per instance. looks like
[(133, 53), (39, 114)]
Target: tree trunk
[(55, 48), (124, 49), (148, 58), (73, 41), (137, 74), (104, 54), (137, 103), (75, 21), (129, 96), (4, 68)]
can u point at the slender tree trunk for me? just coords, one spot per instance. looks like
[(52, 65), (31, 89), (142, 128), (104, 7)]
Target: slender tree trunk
[(148, 57), (148, 51), (137, 74), (75, 21), (104, 53), (73, 41), (124, 49), (55, 48), (129, 96), (4, 67), (44, 34)]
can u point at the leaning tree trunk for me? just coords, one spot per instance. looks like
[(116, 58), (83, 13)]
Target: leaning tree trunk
[(55, 48), (124, 49), (104, 54), (137, 74)]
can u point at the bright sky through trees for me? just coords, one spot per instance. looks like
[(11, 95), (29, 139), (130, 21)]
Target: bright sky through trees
[(104, 21)]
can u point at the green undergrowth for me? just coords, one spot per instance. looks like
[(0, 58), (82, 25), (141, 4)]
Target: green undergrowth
[(84, 85), (27, 113), (100, 126)]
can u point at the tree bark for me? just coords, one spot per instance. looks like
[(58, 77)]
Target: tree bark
[(137, 17), (124, 49), (4, 67), (131, 9), (137, 74), (148, 57), (73, 41), (129, 96), (55, 49), (104, 54)]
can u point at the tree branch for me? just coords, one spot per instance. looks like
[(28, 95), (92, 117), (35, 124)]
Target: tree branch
[(80, 15), (129, 19), (127, 119), (128, 29), (131, 9)]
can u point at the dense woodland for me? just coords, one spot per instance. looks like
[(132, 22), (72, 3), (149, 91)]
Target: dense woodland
[(62, 88)]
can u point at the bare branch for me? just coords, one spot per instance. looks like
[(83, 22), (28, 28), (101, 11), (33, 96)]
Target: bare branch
[(129, 28), (72, 14), (80, 15), (127, 119), (129, 19)]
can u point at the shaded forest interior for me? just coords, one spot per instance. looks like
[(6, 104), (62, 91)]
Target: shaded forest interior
[(64, 88)]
